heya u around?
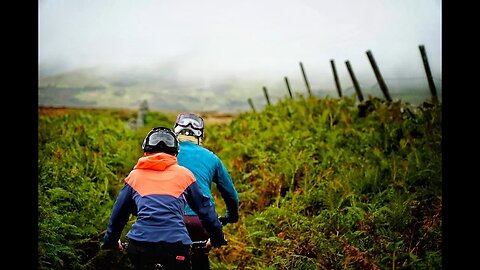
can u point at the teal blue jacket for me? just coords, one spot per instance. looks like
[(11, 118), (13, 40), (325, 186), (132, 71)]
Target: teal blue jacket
[(207, 167)]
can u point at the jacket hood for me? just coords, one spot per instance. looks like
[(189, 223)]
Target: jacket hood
[(156, 161)]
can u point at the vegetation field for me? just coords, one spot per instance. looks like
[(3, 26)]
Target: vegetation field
[(324, 183)]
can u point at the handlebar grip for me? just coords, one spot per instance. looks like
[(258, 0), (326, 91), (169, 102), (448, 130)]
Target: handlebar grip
[(199, 244)]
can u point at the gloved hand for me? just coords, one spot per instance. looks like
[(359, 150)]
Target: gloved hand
[(227, 219), (216, 243)]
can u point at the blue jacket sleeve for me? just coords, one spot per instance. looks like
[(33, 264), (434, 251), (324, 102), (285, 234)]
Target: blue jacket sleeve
[(225, 186), (123, 207), (205, 210)]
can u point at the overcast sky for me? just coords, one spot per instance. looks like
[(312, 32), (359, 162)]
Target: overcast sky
[(256, 38)]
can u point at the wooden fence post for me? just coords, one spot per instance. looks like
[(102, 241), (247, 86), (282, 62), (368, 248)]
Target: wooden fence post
[(142, 114), (431, 84), (379, 77), (288, 87), (251, 105), (355, 82), (335, 76), (306, 80), (266, 95)]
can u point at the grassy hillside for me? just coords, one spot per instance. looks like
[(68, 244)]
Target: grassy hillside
[(322, 187), (323, 184)]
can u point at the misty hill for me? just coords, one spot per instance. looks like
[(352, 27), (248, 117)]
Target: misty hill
[(127, 88), (167, 90)]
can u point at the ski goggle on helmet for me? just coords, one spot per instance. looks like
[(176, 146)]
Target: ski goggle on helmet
[(189, 121), (161, 139)]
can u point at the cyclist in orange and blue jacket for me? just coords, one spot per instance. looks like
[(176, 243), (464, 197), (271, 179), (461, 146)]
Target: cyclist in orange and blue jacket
[(207, 168), (157, 191)]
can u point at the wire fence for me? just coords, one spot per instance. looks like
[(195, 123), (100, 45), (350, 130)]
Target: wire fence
[(408, 89)]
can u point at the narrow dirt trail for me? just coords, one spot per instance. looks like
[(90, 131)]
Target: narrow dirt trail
[(211, 118)]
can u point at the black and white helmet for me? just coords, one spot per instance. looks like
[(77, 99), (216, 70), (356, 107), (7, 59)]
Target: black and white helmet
[(189, 124), (161, 139)]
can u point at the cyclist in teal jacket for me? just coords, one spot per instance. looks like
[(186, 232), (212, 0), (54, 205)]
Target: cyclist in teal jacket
[(207, 167)]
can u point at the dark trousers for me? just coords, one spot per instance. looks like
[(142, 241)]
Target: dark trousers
[(197, 233), (172, 256)]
